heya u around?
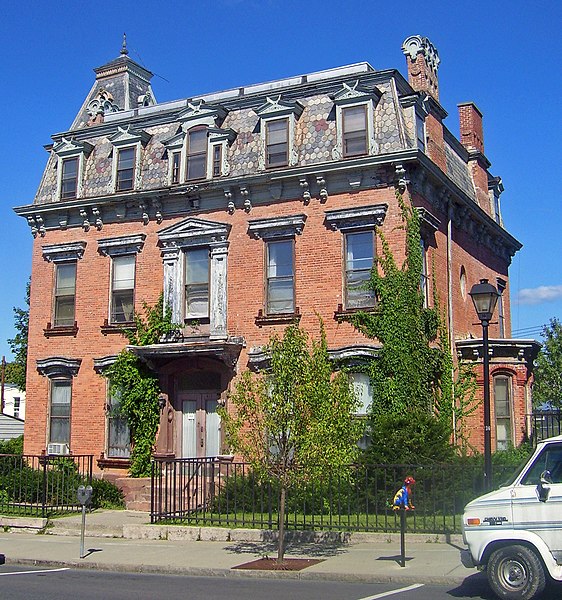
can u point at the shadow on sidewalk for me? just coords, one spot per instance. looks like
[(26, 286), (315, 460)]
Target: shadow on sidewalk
[(291, 547)]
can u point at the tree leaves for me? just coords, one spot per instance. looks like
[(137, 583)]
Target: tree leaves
[(547, 388)]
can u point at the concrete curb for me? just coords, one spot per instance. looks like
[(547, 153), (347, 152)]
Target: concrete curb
[(222, 534), (237, 573)]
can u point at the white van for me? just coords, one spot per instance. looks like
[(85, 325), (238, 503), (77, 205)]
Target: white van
[(515, 533)]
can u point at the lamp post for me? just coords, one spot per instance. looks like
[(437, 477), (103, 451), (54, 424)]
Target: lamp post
[(485, 296)]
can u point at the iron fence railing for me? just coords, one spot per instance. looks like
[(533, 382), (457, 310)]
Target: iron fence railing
[(545, 424), (32, 485), (214, 491)]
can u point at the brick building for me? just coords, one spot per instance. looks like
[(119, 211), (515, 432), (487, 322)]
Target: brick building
[(250, 208)]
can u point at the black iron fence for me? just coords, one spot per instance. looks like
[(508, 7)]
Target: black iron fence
[(545, 424), (213, 491), (42, 485)]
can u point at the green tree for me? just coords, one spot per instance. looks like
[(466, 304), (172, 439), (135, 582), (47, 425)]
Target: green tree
[(547, 388), (295, 421), (412, 375), (137, 385), (15, 371)]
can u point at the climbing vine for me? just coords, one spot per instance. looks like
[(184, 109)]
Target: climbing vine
[(136, 386), (413, 374)]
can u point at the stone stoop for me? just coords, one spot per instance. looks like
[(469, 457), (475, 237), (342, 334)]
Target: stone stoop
[(23, 524), (136, 492)]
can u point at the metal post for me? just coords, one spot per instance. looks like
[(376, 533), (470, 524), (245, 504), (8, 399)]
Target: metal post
[(487, 425), (82, 554), (403, 536)]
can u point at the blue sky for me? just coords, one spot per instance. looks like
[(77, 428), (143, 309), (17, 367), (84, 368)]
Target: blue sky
[(502, 55)]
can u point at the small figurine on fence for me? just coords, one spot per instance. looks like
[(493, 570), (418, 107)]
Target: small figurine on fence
[(402, 497)]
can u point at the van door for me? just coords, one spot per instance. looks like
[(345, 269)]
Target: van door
[(543, 518)]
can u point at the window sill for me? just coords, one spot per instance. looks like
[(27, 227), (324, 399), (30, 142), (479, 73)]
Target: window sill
[(109, 328), (278, 319), (108, 462), (51, 331), (341, 312)]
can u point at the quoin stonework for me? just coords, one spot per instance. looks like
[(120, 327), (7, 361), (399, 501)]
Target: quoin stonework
[(252, 208)]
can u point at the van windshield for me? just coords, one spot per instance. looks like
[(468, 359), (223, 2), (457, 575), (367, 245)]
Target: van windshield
[(550, 459), (515, 474)]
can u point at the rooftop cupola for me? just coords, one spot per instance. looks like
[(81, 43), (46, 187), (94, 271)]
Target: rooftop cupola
[(121, 84)]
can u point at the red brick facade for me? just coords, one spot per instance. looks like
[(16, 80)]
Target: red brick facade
[(464, 244)]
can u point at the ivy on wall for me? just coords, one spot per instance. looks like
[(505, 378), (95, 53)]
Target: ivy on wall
[(413, 377), (136, 385)]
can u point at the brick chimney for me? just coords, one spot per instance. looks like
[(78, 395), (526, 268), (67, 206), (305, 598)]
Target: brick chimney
[(423, 62), (470, 117), (472, 138)]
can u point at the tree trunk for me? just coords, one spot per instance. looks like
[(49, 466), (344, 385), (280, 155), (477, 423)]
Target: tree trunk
[(281, 540)]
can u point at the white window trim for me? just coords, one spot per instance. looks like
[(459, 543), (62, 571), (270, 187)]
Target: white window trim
[(137, 148), (121, 140), (215, 137), (68, 149), (191, 234), (511, 406), (337, 153), (275, 109), (120, 246), (350, 95)]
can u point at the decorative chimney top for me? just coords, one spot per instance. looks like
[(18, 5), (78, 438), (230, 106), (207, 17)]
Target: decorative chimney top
[(422, 64)]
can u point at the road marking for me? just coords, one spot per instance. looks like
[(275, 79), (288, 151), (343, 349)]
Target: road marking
[(415, 586), (37, 571)]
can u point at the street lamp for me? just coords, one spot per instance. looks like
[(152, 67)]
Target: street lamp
[(485, 296)]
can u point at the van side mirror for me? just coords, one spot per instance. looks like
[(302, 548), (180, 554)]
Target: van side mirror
[(543, 488)]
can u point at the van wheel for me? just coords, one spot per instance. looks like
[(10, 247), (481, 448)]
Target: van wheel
[(516, 573)]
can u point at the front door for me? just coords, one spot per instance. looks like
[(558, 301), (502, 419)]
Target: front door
[(201, 424)]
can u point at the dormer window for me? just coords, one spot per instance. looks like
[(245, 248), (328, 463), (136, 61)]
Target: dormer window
[(71, 157), (277, 143), (354, 127), (355, 117), (125, 169), (69, 178), (127, 144), (277, 124), (197, 154), (199, 149)]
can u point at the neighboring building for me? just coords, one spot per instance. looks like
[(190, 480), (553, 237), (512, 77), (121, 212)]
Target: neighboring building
[(14, 401), (250, 208)]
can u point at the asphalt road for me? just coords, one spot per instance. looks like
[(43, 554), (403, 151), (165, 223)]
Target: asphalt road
[(21, 583)]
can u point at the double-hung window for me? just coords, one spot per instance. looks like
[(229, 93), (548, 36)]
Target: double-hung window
[(502, 409), (197, 283), (354, 130), (69, 178), (501, 308), (65, 294), (175, 173), (277, 143), (359, 256), (122, 288), (125, 169), (118, 431), (197, 154), (280, 280), (59, 418)]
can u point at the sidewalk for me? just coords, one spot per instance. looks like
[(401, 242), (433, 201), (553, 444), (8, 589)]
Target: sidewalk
[(123, 541)]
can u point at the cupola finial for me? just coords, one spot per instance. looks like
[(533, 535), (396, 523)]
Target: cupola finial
[(124, 50)]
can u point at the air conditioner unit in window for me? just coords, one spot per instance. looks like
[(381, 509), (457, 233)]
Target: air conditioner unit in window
[(58, 449)]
